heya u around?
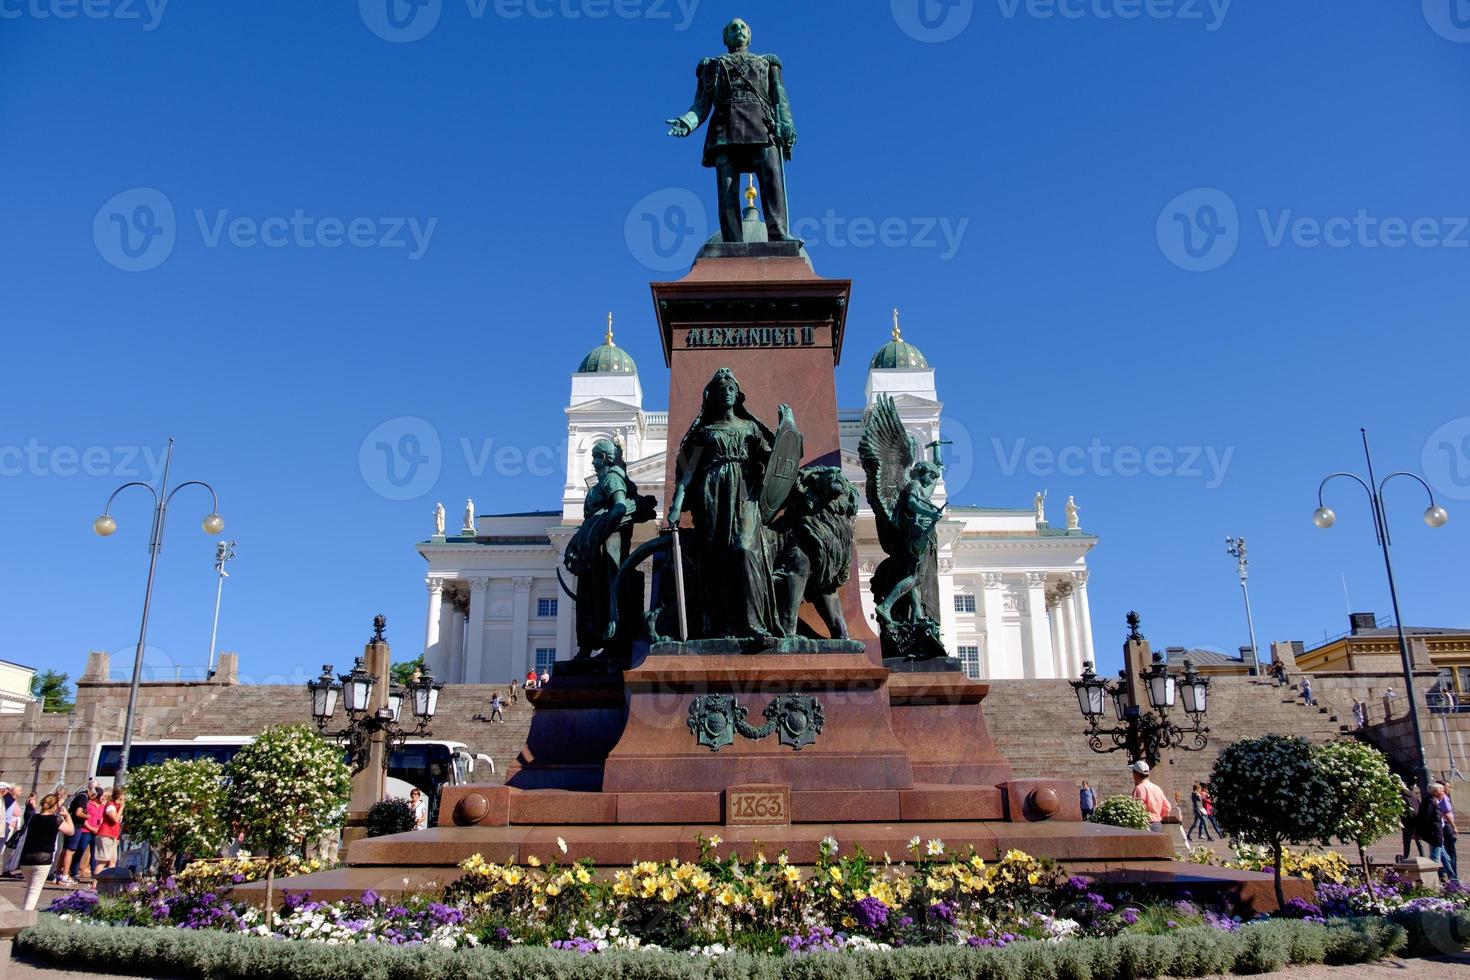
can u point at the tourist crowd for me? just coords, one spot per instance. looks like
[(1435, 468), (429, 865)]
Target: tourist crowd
[(71, 844)]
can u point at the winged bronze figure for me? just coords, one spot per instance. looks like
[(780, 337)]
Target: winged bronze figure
[(900, 489)]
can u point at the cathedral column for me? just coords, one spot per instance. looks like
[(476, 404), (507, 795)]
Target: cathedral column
[(948, 627), (566, 629), (1084, 618), (474, 654), (1036, 633), (1074, 640), (999, 661), (1054, 604), (433, 654), (520, 632), (453, 633)]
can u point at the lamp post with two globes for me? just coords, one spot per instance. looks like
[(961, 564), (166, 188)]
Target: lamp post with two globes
[(1434, 516), (106, 525)]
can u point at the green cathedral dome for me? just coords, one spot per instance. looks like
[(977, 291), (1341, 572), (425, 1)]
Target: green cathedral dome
[(898, 353), (608, 358)]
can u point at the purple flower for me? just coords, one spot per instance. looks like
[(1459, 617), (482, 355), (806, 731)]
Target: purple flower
[(370, 898), (294, 900), (942, 911), (77, 903), (871, 914), (1300, 908), (1130, 917)]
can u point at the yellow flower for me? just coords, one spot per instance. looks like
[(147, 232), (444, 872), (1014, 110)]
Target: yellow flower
[(726, 896), (584, 876), (533, 861), (553, 889), (514, 876), (835, 893), (835, 873), (645, 868), (1033, 878), (848, 922), (700, 882), (668, 893), (650, 887), (976, 862), (792, 875)]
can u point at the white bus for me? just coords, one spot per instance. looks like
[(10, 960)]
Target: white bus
[(427, 764)]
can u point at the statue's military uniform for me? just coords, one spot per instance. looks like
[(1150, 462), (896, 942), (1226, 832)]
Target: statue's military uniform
[(750, 131)]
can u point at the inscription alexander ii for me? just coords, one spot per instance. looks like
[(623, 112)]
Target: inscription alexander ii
[(703, 338)]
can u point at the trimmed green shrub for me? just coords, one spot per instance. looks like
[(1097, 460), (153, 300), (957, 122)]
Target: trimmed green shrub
[(1429, 933), (1257, 947), (1121, 811), (392, 816)]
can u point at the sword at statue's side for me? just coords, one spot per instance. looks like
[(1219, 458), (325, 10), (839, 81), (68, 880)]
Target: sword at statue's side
[(677, 557)]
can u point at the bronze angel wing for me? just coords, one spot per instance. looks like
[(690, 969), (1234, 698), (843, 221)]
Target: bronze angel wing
[(887, 452)]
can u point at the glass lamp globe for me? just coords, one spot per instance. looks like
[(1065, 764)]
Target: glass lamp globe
[(213, 524), (1436, 516), (104, 525), (1324, 517)]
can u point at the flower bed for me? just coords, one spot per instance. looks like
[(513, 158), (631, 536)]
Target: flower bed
[(929, 900)]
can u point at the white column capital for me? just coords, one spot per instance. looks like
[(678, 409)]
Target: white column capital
[(434, 585), (522, 583), (1079, 578), (478, 583), (1035, 580), (994, 580)]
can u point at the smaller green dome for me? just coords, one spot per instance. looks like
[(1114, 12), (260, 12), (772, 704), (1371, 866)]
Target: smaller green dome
[(607, 359), (898, 353)]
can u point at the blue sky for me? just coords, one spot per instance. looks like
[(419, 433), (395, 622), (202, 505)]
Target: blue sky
[(1185, 248)]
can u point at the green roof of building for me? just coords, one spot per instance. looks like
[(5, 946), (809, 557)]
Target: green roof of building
[(607, 359), (899, 353)]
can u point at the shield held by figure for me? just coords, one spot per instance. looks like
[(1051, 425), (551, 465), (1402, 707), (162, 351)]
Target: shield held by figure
[(782, 470)]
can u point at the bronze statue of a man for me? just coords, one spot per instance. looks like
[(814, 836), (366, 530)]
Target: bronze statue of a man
[(750, 129)]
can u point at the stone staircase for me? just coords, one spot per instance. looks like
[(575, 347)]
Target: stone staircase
[(247, 709), (1037, 726)]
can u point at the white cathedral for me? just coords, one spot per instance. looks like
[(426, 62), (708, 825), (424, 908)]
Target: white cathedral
[(1013, 589)]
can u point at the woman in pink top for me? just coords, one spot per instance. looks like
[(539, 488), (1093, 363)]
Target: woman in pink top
[(92, 824), (105, 846)]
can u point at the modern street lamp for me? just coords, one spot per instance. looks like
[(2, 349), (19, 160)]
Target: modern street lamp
[(1434, 516), (1235, 548), (354, 691), (223, 552), (1145, 733), (105, 526)]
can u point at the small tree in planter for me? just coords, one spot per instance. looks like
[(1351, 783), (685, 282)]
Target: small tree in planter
[(391, 816), (1270, 791), (1121, 811), (286, 788), (1365, 796), (177, 808)]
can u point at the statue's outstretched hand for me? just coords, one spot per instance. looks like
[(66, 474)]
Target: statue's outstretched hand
[(679, 126)]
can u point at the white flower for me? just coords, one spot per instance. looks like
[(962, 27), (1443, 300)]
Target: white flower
[(934, 847), (561, 845), (913, 842)]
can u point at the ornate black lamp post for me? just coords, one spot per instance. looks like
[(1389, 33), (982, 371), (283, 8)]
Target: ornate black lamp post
[(354, 691), (1145, 734)]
